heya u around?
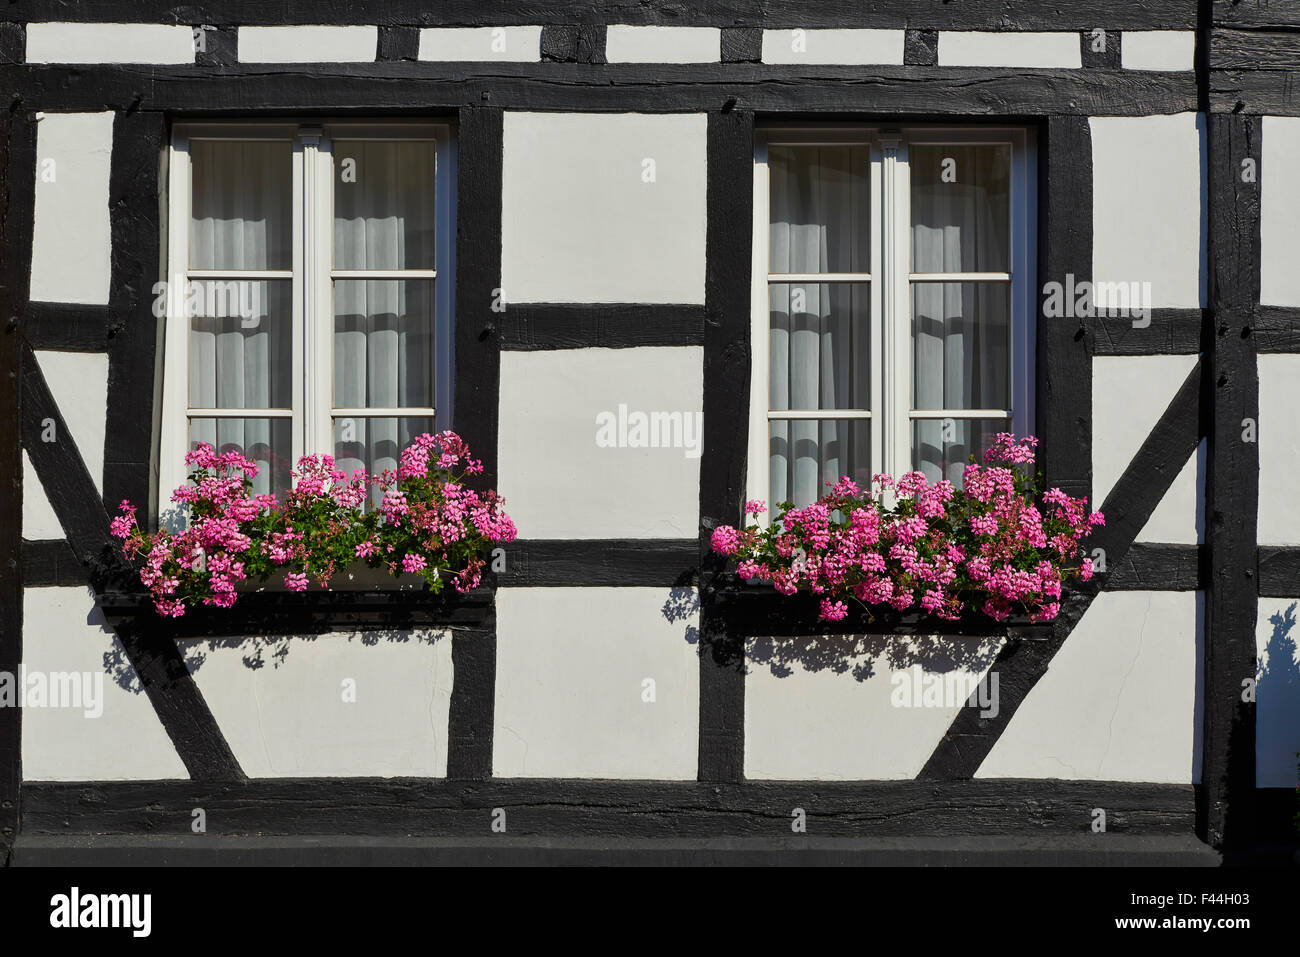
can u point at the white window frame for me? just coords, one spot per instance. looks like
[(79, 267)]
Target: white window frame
[(890, 277), (312, 275)]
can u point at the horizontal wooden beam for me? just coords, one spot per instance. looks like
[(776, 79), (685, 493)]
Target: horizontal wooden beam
[(1164, 332), (586, 326), (1150, 566), (1278, 571), (773, 14), (597, 563), (590, 808), (427, 88)]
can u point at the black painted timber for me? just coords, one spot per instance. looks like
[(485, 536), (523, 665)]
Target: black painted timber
[(599, 562), (599, 326)]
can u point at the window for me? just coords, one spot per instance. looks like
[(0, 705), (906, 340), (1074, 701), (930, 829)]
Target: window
[(892, 303), (309, 301)]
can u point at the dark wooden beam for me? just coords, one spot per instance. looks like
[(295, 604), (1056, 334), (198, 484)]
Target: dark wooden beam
[(1232, 486), (426, 88), (773, 14), (585, 326), (586, 808), (599, 563)]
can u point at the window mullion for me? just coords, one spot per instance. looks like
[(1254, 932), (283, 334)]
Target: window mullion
[(760, 464), (316, 319), (897, 306)]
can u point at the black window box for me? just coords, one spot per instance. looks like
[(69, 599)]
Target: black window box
[(759, 610), (310, 612)]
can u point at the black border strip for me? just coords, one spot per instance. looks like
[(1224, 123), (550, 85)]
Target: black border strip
[(1277, 329), (1226, 799), (1279, 571), (572, 807), (969, 15), (729, 255), (393, 86), (17, 202), (599, 562), (139, 141), (51, 562), (1170, 332), (1159, 566), (67, 326), (471, 719), (599, 326)]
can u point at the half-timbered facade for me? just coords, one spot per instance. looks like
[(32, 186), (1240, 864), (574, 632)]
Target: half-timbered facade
[(626, 208)]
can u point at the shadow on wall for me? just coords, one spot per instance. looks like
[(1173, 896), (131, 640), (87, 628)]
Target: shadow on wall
[(857, 655), (257, 650), (1277, 704)]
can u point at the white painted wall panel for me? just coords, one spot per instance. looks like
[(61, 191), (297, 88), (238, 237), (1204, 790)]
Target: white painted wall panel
[(1279, 449), (109, 43), (1148, 205), (604, 207), (840, 707), (1277, 693), (849, 47), (1279, 227), (79, 383), (1158, 50), (308, 44), (1129, 394), (63, 631), (481, 44), (71, 235), (632, 44), (1121, 700), (1028, 49), (559, 482), (571, 684), (280, 702)]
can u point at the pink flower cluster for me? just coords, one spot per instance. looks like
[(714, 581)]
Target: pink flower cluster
[(428, 523), (995, 545)]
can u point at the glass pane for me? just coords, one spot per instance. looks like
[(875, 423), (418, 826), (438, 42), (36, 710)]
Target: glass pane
[(266, 441), (383, 343), (241, 336), (942, 448), (374, 444), (961, 208), (383, 205), (820, 209), (820, 346), (806, 454), (241, 213), (961, 347)]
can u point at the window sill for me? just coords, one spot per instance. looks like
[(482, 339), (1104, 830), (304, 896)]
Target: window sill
[(759, 610), (310, 612)]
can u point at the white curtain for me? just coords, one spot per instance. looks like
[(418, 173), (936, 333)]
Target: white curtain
[(819, 340), (960, 330), (384, 218), (240, 336)]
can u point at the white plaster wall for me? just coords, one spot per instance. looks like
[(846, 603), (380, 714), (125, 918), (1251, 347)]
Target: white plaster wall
[(1148, 204), (1027, 49), (558, 482), (1279, 227), (828, 708), (1278, 521), (1277, 693), (79, 384), (71, 237), (109, 43), (632, 44), (280, 702), (1129, 394), (1121, 701), (572, 667), (481, 44), (580, 223), (63, 631), (848, 47), (1158, 50), (308, 44)]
